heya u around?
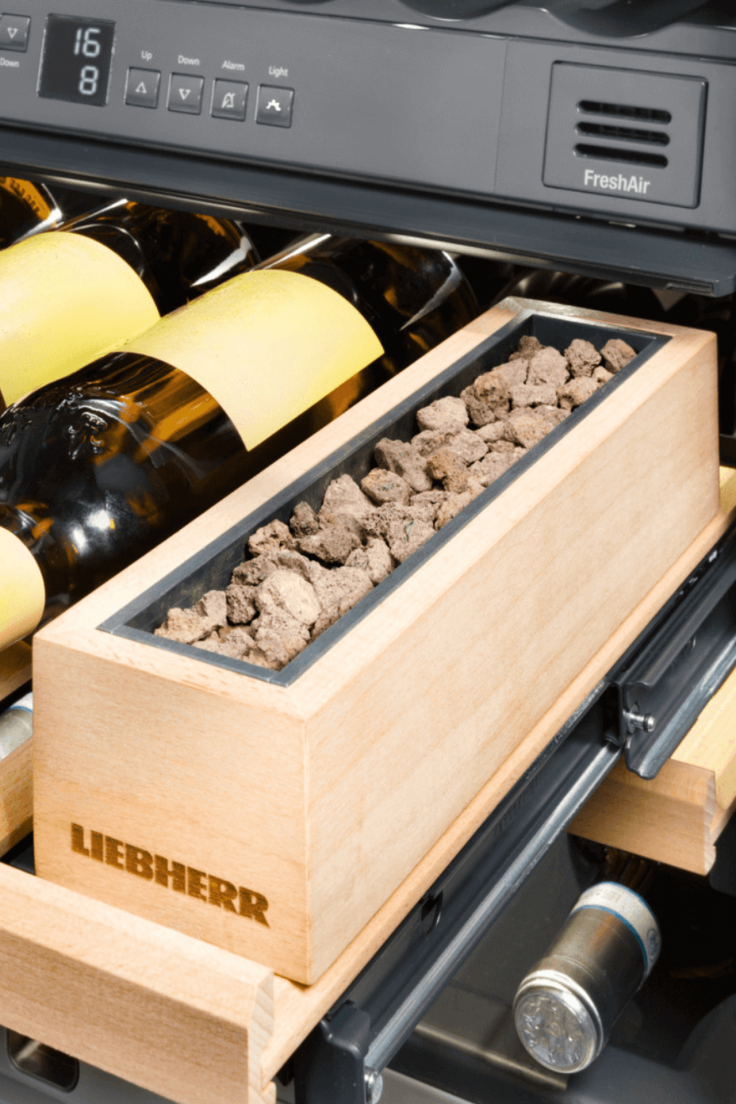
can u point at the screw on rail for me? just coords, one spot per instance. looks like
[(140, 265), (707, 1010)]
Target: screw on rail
[(373, 1086), (639, 722)]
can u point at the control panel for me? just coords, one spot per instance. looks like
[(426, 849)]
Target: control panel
[(285, 88), (627, 134)]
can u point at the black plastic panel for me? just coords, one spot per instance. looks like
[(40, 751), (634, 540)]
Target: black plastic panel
[(440, 107), (403, 123), (702, 264)]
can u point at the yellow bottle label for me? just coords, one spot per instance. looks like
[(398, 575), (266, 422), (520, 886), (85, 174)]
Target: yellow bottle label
[(64, 301), (22, 590), (266, 345), (29, 194)]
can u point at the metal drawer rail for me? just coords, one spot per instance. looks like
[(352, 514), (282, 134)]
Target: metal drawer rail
[(642, 709)]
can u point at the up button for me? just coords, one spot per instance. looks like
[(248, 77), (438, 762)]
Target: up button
[(142, 88)]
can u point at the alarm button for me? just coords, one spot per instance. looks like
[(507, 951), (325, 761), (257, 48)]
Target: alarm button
[(229, 99), (142, 87), (185, 93), (14, 31), (274, 106)]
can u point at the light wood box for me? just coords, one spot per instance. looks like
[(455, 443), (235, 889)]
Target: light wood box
[(318, 790)]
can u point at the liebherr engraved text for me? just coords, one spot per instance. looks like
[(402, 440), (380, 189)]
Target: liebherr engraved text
[(170, 875)]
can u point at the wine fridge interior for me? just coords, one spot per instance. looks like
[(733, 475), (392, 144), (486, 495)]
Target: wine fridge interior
[(675, 1036), (617, 206)]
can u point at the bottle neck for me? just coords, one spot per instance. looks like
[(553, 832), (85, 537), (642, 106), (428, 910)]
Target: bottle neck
[(632, 871), (413, 298), (598, 862), (177, 255)]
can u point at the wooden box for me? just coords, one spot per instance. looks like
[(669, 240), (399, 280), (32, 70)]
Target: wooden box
[(313, 793)]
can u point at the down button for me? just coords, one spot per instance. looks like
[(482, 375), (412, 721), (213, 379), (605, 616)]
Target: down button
[(185, 94)]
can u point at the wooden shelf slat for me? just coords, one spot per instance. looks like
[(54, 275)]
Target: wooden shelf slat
[(158, 1008)]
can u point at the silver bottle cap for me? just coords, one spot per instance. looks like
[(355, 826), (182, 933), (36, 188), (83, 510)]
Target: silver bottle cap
[(556, 1024)]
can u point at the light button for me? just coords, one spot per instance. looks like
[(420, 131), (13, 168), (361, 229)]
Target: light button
[(14, 30), (142, 87), (274, 106), (185, 94), (229, 99)]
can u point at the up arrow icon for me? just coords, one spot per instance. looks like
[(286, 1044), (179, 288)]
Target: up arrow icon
[(141, 89)]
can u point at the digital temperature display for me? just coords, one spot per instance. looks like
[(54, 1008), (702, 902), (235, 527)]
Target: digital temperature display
[(77, 54)]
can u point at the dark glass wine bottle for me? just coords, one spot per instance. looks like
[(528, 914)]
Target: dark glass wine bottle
[(178, 255), (98, 468), (24, 208), (99, 279)]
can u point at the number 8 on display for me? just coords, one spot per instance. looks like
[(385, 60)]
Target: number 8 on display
[(88, 79)]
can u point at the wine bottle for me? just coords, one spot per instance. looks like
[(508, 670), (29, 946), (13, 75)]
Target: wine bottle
[(567, 1004), (96, 280), (24, 208), (99, 467)]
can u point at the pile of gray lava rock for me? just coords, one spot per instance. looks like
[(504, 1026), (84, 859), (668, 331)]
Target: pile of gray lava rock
[(299, 579)]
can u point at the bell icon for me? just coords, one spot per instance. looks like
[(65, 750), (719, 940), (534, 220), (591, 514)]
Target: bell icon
[(228, 100)]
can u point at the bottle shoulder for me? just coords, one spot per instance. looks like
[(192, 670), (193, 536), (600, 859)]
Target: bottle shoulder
[(178, 255)]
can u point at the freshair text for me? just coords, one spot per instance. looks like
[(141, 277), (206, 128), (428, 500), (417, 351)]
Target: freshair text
[(170, 875), (620, 183)]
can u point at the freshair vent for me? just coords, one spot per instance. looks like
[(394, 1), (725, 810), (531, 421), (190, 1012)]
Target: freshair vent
[(618, 133), (610, 134)]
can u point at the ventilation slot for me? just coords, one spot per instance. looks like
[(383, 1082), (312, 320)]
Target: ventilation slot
[(625, 134), (630, 157), (617, 132), (624, 111)]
